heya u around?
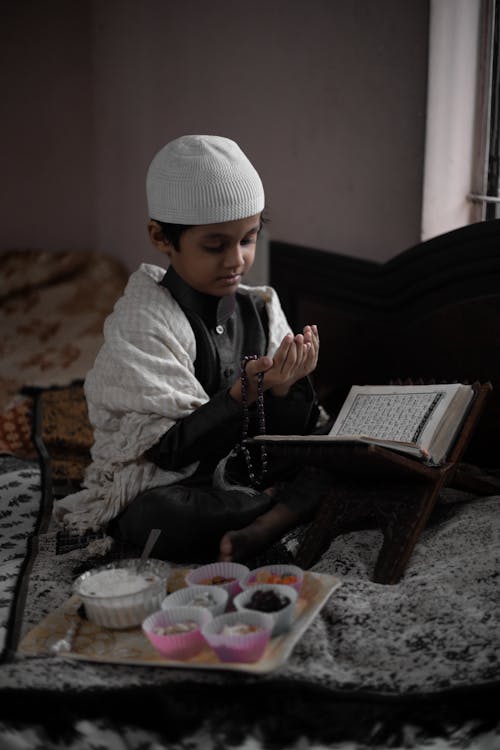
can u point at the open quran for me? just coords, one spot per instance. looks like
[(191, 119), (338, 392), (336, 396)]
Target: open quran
[(420, 420)]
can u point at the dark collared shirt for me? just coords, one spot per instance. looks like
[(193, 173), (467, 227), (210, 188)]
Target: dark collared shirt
[(226, 329)]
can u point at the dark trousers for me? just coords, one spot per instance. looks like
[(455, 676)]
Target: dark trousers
[(193, 519), (194, 516)]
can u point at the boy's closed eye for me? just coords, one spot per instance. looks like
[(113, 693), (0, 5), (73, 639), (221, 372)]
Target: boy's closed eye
[(221, 246), (213, 248)]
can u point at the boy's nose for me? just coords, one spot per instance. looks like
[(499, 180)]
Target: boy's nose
[(234, 256)]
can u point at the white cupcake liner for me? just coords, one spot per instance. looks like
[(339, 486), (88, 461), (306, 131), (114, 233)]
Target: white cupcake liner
[(282, 618), (183, 597)]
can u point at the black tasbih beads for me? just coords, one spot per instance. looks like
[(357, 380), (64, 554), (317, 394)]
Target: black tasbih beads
[(255, 480)]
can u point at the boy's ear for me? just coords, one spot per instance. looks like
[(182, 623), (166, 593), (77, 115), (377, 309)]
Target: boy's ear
[(157, 237)]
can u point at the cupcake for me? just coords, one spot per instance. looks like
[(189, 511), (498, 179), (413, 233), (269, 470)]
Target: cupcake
[(239, 636), (212, 598), (286, 575), (176, 632), (227, 575), (277, 600)]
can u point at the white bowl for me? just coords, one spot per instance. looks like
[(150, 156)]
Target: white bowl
[(118, 596), (282, 618), (192, 596)]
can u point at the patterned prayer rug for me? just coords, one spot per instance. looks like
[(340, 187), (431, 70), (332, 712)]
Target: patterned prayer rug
[(377, 663)]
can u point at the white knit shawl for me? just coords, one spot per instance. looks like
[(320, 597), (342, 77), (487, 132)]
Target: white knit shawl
[(142, 382)]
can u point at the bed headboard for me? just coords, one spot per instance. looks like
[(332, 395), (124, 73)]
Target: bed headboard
[(431, 312)]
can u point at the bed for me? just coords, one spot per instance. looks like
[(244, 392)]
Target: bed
[(379, 665)]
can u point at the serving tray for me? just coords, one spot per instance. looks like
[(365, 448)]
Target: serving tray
[(98, 644)]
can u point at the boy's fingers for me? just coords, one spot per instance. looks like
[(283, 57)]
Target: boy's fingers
[(290, 358), (281, 354), (313, 330), (254, 366), (297, 354), (285, 345)]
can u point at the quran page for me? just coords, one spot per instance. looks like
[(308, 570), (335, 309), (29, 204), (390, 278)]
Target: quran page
[(421, 420), (400, 413)]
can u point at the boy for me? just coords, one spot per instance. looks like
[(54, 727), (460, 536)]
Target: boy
[(165, 395)]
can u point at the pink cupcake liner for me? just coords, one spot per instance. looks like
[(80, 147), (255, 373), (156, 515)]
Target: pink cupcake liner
[(278, 569), (178, 645), (198, 576), (239, 648)]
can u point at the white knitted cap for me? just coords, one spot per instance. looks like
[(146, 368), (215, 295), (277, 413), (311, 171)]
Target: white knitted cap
[(202, 179)]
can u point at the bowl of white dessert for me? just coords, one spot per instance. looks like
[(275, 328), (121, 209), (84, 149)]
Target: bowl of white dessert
[(213, 598), (122, 594)]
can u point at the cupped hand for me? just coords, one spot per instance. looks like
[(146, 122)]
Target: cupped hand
[(296, 357)]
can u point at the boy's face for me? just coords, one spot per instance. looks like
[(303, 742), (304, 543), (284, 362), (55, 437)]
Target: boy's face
[(212, 258)]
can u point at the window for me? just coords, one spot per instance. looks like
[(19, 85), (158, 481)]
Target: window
[(461, 171), (486, 177), (486, 195)]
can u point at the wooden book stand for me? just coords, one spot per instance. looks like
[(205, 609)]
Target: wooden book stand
[(381, 485)]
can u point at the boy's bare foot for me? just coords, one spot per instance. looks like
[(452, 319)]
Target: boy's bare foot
[(236, 545), (245, 543)]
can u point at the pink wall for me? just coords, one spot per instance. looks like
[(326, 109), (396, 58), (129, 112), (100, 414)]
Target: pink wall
[(47, 134), (326, 97)]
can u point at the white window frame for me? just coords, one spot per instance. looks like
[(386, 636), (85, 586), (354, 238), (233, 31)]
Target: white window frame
[(456, 139)]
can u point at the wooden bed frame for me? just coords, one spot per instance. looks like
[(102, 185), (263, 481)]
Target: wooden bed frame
[(432, 312)]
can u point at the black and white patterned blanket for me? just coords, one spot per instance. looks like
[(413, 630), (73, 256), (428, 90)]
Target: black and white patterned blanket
[(401, 657), (20, 501)]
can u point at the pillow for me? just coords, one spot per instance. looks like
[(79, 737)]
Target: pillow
[(52, 311), (29, 269)]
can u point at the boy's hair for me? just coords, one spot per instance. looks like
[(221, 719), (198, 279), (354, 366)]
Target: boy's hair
[(172, 232)]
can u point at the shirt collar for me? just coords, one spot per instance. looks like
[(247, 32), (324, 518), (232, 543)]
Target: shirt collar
[(212, 310)]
